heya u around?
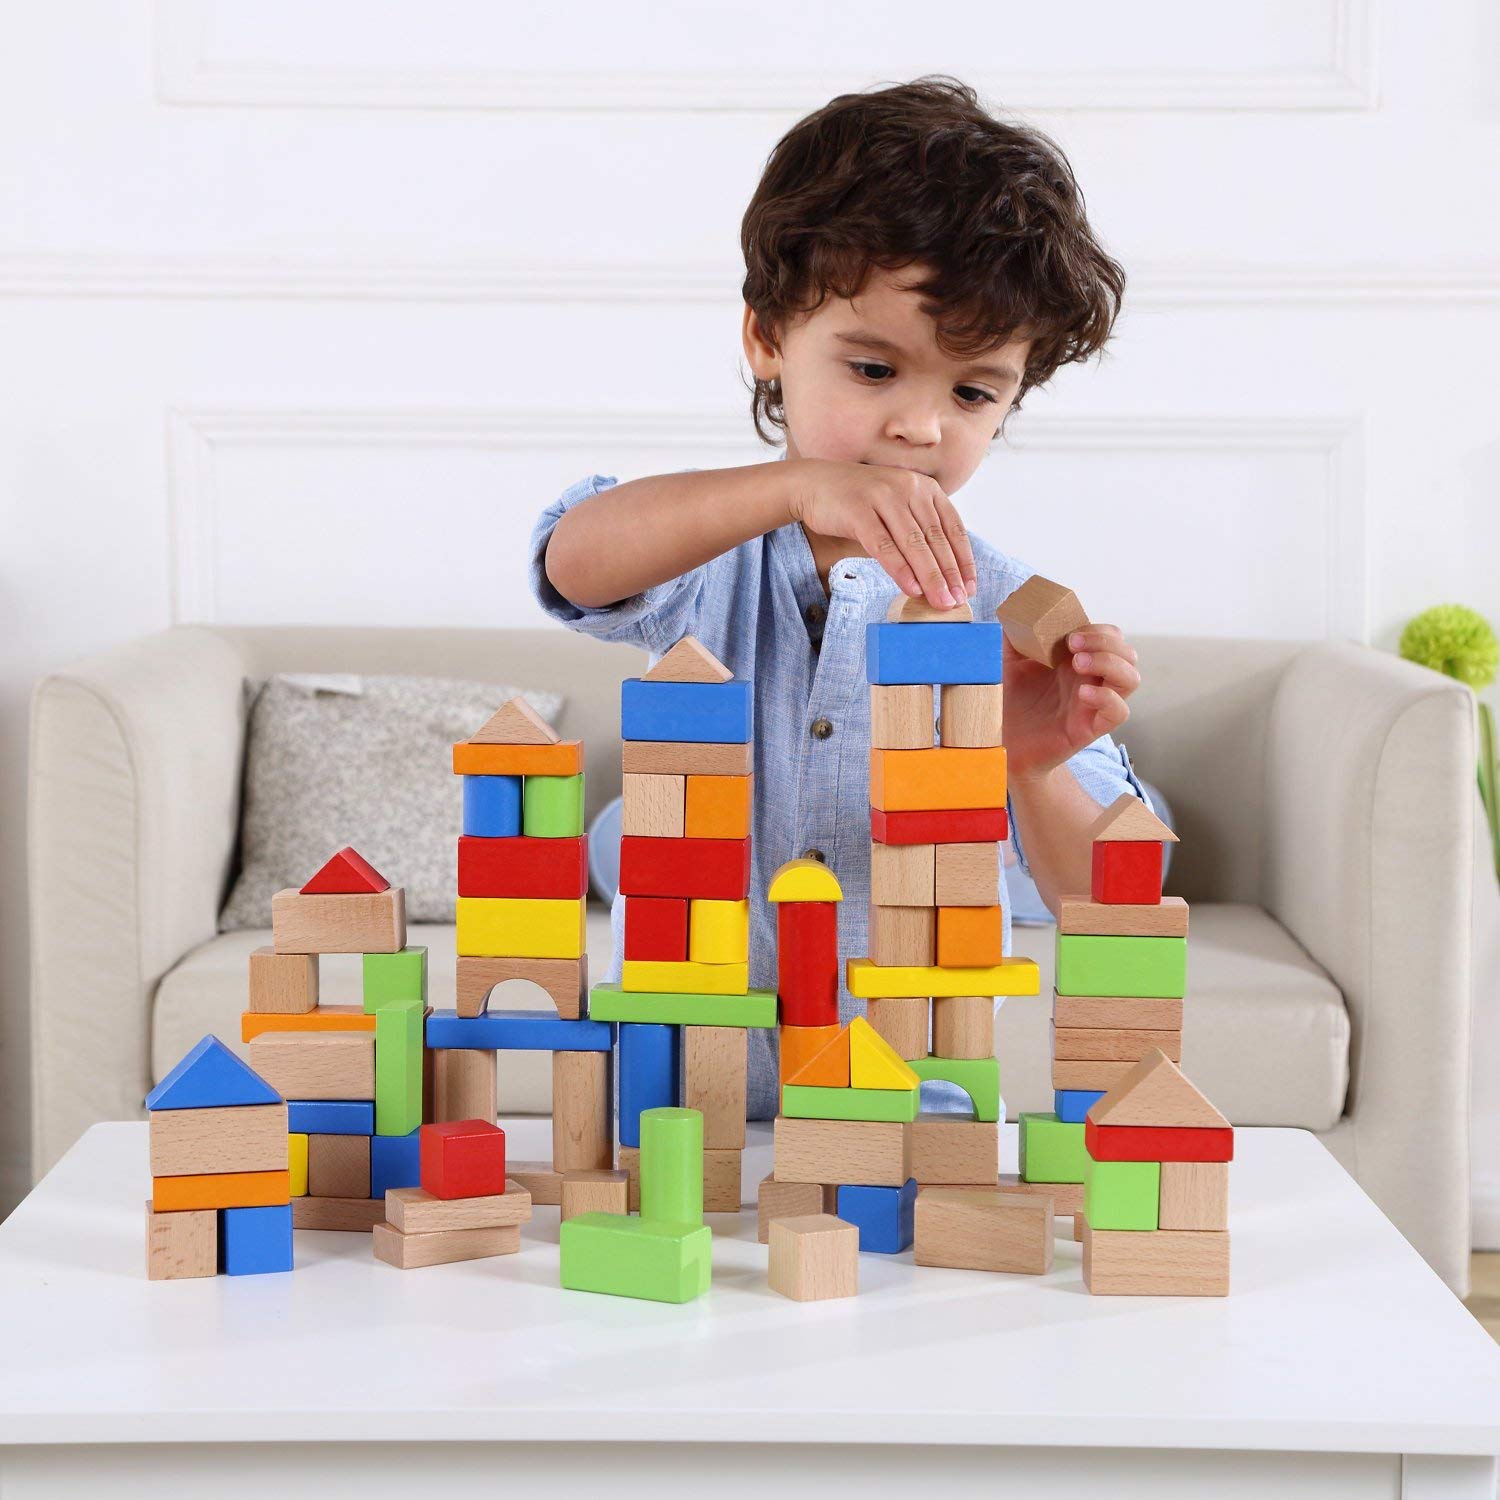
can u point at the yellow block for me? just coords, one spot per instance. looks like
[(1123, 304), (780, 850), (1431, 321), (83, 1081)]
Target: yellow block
[(649, 976), (1011, 976), (297, 1155), (521, 927), (804, 880), (874, 1063), (719, 932)]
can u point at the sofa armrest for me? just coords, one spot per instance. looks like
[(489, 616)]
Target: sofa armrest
[(132, 814), (1370, 766)]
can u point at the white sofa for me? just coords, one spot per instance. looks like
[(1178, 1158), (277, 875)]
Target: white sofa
[(1324, 795)]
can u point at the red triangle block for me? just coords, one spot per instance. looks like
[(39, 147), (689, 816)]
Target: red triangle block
[(348, 873)]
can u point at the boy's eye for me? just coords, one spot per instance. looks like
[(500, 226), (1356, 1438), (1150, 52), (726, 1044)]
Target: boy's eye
[(971, 395), (871, 369)]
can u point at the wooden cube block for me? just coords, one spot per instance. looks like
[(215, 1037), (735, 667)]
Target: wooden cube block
[(972, 715), (718, 807), (656, 929), (1112, 1043), (902, 874), (714, 1080), (338, 1166), (948, 1150), (968, 875), (937, 780), (595, 1192), (875, 1153), (413, 1210), (181, 1245), (348, 1215), (371, 922), (901, 716), (539, 1178), (654, 806), (1126, 872), (718, 932), (566, 981), (1081, 915), (983, 1229), (320, 1065), (1194, 1195), (442, 1247), (462, 1158), (282, 984), (904, 1022), (970, 937), (721, 1180), (963, 1026), (1165, 1263), (790, 1200), (235, 1138), (903, 934), (1039, 617), (582, 1111), (463, 1084), (814, 1257)]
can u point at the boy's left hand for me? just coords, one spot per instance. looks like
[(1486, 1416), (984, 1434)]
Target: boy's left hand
[(1051, 713)]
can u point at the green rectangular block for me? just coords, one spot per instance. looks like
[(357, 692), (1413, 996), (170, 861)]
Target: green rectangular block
[(1128, 966), (552, 807), (978, 1077), (398, 1067), (802, 1102), (608, 1002), (1051, 1149), (625, 1257), (1121, 1194), (394, 976)]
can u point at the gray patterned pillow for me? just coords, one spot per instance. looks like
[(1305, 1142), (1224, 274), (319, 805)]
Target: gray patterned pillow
[(339, 759)]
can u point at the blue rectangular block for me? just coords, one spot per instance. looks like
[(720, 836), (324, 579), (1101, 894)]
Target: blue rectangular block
[(1071, 1105), (253, 1241), (330, 1116), (492, 806), (923, 652), (516, 1031), (716, 713), (394, 1162), (650, 1064), (885, 1216)]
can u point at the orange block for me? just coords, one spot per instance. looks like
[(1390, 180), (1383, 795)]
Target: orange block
[(324, 1018), (718, 807), (562, 759), (968, 937), (827, 1068), (801, 1043), (221, 1190), (937, 780)]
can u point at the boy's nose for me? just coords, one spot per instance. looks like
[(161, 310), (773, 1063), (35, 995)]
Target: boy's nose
[(918, 425)]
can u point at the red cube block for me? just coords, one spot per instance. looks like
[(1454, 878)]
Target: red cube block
[(807, 962), (462, 1159), (656, 928), (1127, 873)]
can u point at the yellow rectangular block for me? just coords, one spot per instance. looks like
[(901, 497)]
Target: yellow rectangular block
[(937, 780), (718, 932), (662, 978), (1011, 976), (519, 927), (297, 1160)]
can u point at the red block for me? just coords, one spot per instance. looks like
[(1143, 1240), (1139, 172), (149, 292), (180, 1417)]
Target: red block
[(807, 962), (348, 873), (656, 928), (985, 825), (548, 869), (462, 1159), (1127, 873), (712, 869), (1158, 1142)]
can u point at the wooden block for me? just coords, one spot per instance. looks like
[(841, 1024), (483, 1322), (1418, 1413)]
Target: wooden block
[(462, 1159), (904, 1021), (714, 1074), (1135, 1013), (1088, 1074), (347, 873), (656, 929), (972, 715), (1194, 1195), (807, 962), (539, 1178), (316, 1065), (566, 981), (654, 806), (968, 874), (1126, 873), (515, 722), (799, 1044), (902, 874), (813, 1257), (562, 759), (951, 1149), (721, 1180), (804, 1103), (983, 1229), (911, 609), (790, 1200), (282, 984), (1166, 1263), (1121, 1194), (296, 1143), (393, 979), (370, 923), (672, 1165), (608, 1002), (623, 1257), (804, 879), (1155, 1092), (963, 1026), (492, 806), (463, 1084), (1067, 1197), (1165, 918), (901, 716), (1078, 1229), (973, 825), (686, 712), (582, 1111), (644, 977), (1011, 976), (718, 807), (520, 928), (523, 868), (414, 1210), (1039, 617), (874, 1063), (324, 1018), (338, 1166), (970, 936), (1112, 1044), (241, 1138), (718, 932), (689, 660), (181, 1245), (939, 651), (1128, 818), (903, 934), (443, 1247), (716, 869), (352, 1215), (600, 1192), (630, 1165), (1162, 1143), (221, 1190), (937, 780), (672, 758), (1121, 965), (875, 1153)]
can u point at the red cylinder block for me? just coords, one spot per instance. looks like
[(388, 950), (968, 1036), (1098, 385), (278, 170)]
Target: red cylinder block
[(807, 962)]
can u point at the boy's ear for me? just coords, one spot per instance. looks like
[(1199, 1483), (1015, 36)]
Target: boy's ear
[(761, 352)]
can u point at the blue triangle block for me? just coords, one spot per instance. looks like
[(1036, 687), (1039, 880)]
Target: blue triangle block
[(211, 1075)]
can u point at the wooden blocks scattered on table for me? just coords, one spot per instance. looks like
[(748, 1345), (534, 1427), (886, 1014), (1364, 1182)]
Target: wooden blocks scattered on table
[(814, 1257), (983, 1229)]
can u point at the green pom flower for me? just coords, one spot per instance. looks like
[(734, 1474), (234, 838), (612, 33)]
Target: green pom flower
[(1456, 641)]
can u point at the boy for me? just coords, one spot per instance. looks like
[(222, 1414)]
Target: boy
[(913, 267)]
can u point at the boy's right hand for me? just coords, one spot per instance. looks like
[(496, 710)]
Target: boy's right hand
[(900, 517)]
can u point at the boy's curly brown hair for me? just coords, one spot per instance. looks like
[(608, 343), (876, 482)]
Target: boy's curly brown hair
[(921, 173)]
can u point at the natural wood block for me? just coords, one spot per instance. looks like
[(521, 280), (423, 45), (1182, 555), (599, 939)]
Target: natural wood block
[(352, 1215), (963, 1026), (1090, 1074), (1112, 1044), (972, 715), (951, 1149), (967, 874), (800, 1043), (599, 1192), (1156, 1263), (515, 722), (814, 1257), (1133, 1013), (1078, 1229), (714, 1078), (630, 1165), (689, 660), (282, 984), (874, 1153), (721, 1180), (903, 934), (718, 807), (1067, 1197), (236, 1138), (901, 716), (654, 806), (1081, 915), (582, 1111), (415, 1211), (1128, 820), (937, 780), (566, 981), (181, 1245), (983, 1229), (905, 1022), (1154, 1092), (369, 922), (1039, 617), (338, 1166), (316, 1065), (685, 758), (909, 609), (791, 1200), (539, 1178), (969, 937), (443, 1247), (463, 1084), (902, 874), (1194, 1195)]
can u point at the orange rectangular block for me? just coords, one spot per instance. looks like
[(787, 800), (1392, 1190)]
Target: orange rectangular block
[(221, 1190), (969, 937), (324, 1018), (562, 759), (938, 779), (718, 807)]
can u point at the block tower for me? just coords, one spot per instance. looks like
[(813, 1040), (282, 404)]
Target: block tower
[(684, 999)]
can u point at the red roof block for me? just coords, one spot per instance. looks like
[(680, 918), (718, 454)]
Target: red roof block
[(348, 873)]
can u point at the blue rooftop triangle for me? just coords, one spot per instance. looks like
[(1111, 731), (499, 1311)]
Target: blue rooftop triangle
[(211, 1075)]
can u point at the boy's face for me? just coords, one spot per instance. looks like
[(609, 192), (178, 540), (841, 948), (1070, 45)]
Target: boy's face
[(864, 381)]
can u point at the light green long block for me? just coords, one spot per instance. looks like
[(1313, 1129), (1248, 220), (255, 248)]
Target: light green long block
[(552, 806), (394, 976), (1128, 966), (978, 1077), (672, 1165), (398, 1067), (804, 1102), (1121, 1194), (608, 1002), (1052, 1150), (625, 1257)]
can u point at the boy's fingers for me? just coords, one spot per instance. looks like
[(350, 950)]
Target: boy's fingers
[(1113, 669), (1101, 638), (937, 539), (1110, 709), (912, 543), (958, 537), (881, 545)]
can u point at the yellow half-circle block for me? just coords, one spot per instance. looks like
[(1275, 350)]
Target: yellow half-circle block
[(874, 1063), (804, 880), (1011, 976)]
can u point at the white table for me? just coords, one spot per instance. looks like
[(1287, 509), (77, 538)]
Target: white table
[(1339, 1366)]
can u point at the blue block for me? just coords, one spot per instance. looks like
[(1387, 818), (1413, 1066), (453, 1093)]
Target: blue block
[(885, 1216), (516, 1031), (394, 1162), (253, 1241), (1071, 1105), (933, 652), (492, 806), (209, 1076), (650, 1059), (717, 713), (330, 1116)]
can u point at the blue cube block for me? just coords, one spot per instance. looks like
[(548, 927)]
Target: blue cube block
[(884, 1216), (330, 1116), (492, 806), (253, 1241), (517, 1031), (1071, 1105), (717, 713), (928, 651), (650, 1059), (394, 1162)]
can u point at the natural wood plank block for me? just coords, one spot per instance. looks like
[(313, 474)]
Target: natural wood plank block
[(1039, 617), (905, 1022), (599, 1192), (983, 1229), (654, 806), (408, 1252), (875, 1153), (903, 934), (718, 807), (181, 1245), (351, 1215), (689, 660), (814, 1257), (415, 1211), (566, 981), (282, 984), (714, 1079), (721, 1180), (1112, 1044), (236, 1138), (1090, 1074), (582, 1111), (963, 1026), (338, 1166), (901, 716), (369, 922), (948, 1149), (902, 874), (1165, 918), (463, 1084), (539, 1178), (1134, 1013), (1194, 1195), (967, 875), (790, 1200), (317, 1065), (1156, 1263), (1067, 1197), (972, 715), (685, 758)]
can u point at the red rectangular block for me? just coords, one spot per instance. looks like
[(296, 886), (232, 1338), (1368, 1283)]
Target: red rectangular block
[(807, 962), (709, 869), (544, 869), (656, 928), (1127, 873), (960, 826), (1158, 1142), (461, 1159)]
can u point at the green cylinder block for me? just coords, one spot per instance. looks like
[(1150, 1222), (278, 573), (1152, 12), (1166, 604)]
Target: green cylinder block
[(672, 1165)]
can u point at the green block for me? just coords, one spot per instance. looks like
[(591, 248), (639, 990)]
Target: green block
[(1121, 1194), (626, 1257), (394, 976), (398, 1067), (672, 1165), (1051, 1149), (978, 1077), (803, 1102), (1129, 966), (608, 1002), (552, 807)]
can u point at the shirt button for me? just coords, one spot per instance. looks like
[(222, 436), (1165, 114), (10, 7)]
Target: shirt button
[(816, 854), (821, 729), (815, 612)]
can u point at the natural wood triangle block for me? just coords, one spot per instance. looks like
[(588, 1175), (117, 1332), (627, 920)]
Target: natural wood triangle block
[(906, 610), (515, 722), (348, 873), (1128, 820), (874, 1063), (827, 1068), (688, 661), (1156, 1092)]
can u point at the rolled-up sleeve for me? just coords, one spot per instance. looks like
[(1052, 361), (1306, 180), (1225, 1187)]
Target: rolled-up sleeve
[(1104, 771)]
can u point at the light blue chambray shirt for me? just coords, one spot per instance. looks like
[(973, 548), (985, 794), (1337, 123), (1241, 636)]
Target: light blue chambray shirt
[(760, 608)]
